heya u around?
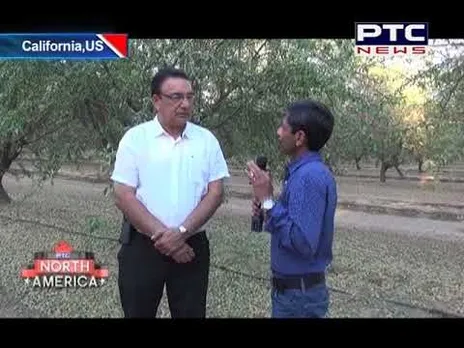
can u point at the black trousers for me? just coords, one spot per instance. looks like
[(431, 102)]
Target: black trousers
[(144, 272)]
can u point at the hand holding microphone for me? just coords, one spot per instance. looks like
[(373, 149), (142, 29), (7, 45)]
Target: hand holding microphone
[(262, 189)]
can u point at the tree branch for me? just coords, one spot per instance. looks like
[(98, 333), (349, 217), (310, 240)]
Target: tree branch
[(43, 135), (452, 91), (223, 95), (127, 100)]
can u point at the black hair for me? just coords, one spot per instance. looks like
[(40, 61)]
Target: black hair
[(162, 75), (314, 119)]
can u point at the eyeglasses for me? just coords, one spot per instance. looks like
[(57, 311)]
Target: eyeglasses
[(179, 97)]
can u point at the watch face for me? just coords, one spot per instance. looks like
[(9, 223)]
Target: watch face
[(268, 204)]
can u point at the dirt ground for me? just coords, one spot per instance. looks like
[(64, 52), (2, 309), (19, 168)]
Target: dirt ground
[(362, 186), (434, 200), (384, 265), (401, 225), (396, 190)]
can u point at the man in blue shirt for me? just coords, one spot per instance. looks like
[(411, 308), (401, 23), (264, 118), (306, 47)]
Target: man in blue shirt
[(301, 220)]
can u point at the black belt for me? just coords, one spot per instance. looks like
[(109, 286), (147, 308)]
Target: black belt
[(300, 283)]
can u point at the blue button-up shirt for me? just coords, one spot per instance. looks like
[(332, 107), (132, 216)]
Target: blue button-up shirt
[(301, 222)]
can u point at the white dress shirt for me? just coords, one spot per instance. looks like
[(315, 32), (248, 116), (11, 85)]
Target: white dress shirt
[(170, 176)]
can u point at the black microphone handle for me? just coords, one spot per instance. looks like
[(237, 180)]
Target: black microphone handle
[(258, 221)]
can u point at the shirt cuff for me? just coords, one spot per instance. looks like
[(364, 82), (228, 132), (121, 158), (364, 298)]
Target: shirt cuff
[(123, 181), (273, 215)]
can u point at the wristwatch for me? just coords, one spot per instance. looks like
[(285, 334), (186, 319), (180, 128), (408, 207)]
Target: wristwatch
[(182, 229), (268, 203)]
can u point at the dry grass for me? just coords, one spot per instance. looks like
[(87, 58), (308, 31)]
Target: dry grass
[(374, 274)]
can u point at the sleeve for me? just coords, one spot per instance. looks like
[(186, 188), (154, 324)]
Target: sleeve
[(218, 168), (299, 225), (125, 167)]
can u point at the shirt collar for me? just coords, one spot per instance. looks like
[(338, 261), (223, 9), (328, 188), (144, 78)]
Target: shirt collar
[(159, 130), (307, 156)]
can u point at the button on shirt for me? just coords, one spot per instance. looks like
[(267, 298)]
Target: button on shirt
[(170, 176), (301, 222)]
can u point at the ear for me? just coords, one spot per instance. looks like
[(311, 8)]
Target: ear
[(155, 100), (300, 138)]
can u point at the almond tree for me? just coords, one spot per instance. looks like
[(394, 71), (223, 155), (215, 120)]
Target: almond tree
[(36, 114)]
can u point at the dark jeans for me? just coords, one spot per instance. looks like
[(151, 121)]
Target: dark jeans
[(143, 273), (313, 302)]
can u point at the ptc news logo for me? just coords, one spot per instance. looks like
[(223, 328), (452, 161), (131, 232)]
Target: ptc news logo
[(391, 38)]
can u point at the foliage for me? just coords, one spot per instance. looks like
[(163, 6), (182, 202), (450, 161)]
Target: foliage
[(60, 112)]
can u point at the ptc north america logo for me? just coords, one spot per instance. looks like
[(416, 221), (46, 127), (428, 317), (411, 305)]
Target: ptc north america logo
[(64, 268)]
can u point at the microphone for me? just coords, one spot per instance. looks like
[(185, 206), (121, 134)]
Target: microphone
[(258, 221)]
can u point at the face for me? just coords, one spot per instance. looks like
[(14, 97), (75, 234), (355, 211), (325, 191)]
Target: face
[(174, 104), (289, 143)]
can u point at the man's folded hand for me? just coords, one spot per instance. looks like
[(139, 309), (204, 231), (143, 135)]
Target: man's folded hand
[(171, 242), (184, 254)]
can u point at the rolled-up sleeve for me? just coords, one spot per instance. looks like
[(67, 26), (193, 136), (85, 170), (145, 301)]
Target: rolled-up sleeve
[(125, 167), (217, 164)]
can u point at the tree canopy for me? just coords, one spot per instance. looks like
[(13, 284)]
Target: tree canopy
[(387, 110)]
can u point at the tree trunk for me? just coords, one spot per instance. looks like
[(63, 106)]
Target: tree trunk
[(399, 171), (420, 163), (9, 151), (4, 198), (357, 160), (396, 164), (383, 171)]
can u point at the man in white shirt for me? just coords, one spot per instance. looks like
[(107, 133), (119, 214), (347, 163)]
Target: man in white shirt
[(168, 180)]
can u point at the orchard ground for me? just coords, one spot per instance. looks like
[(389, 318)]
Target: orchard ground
[(399, 247)]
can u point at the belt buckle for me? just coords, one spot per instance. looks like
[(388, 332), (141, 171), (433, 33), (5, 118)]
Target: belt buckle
[(278, 285)]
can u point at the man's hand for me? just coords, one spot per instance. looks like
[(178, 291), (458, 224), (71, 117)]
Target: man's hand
[(184, 254), (157, 233), (169, 241), (261, 181)]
